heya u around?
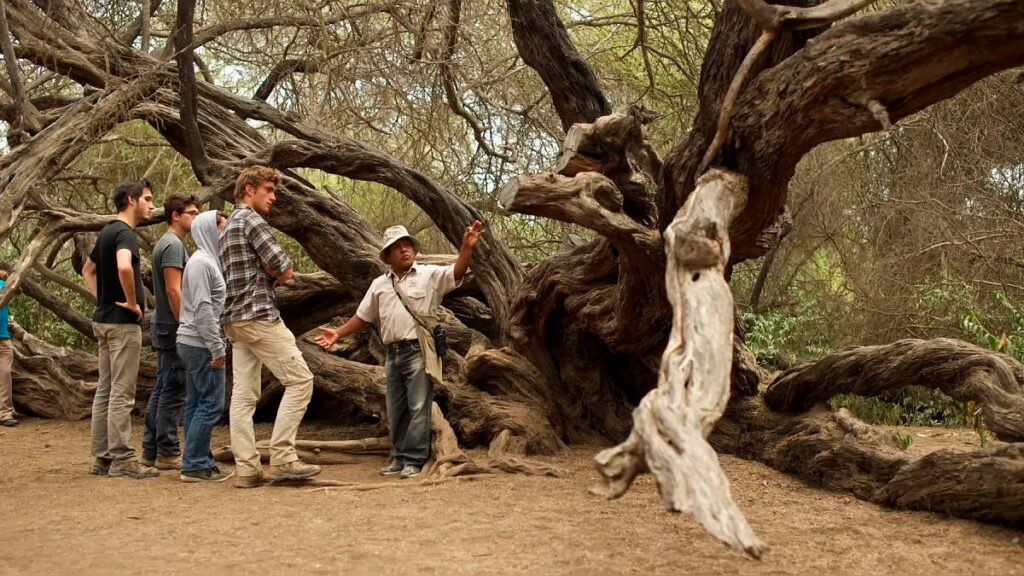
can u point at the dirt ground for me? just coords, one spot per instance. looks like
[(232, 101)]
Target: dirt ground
[(56, 519)]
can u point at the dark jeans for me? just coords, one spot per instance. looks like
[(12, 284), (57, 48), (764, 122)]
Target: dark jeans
[(410, 394), (163, 413), (203, 407)]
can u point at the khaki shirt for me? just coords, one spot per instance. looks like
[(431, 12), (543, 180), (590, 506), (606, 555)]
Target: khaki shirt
[(424, 286)]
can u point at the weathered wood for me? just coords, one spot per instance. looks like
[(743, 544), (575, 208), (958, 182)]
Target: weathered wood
[(57, 382), (961, 370), (673, 421), (839, 452), (616, 146)]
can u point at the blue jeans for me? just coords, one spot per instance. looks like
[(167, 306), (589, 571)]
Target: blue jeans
[(410, 394), (163, 412), (203, 408)]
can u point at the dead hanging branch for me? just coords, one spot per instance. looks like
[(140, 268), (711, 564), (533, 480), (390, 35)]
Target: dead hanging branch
[(672, 423)]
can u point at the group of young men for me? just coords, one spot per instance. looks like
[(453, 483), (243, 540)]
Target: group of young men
[(225, 291)]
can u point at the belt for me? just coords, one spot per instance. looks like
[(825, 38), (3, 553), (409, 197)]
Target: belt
[(396, 346)]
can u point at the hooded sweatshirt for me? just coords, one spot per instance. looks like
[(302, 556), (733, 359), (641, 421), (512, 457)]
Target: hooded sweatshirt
[(203, 289)]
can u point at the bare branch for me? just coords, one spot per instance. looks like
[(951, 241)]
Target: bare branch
[(775, 18), (282, 69), (201, 164), (448, 81), (730, 98)]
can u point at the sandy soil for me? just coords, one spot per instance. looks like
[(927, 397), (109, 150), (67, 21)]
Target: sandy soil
[(56, 519)]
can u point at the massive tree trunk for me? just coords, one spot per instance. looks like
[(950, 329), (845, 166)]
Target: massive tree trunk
[(570, 346)]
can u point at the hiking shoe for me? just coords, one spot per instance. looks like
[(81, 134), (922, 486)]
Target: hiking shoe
[(9, 422), (167, 462), (100, 467), (410, 471), (295, 470), (147, 462), (132, 469), (395, 467), (205, 475), (254, 481)]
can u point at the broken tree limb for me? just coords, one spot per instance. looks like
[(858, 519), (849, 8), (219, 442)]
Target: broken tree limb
[(673, 421), (961, 370), (589, 199), (616, 145)]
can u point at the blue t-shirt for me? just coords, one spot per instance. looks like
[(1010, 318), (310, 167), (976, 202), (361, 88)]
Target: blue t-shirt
[(5, 319)]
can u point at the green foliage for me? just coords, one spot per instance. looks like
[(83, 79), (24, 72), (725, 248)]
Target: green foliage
[(1010, 340), (911, 406), (905, 440), (779, 338)]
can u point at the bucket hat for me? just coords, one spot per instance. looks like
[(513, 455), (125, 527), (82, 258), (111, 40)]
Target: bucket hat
[(394, 234)]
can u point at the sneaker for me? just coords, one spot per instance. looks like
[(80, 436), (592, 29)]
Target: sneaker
[(167, 462), (9, 422), (132, 469), (410, 471), (100, 467), (254, 481), (395, 467), (295, 470), (205, 475)]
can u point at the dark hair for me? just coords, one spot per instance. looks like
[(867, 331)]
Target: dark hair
[(130, 189), (223, 215), (254, 176), (176, 203)]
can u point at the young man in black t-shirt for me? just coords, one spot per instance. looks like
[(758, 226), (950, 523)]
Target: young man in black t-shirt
[(113, 276)]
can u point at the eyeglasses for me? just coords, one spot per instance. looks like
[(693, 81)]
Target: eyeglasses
[(192, 212)]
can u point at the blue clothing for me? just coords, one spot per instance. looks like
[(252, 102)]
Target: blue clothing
[(163, 412), (203, 408), (5, 319), (410, 394)]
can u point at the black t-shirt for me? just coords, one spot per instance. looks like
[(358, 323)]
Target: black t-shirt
[(115, 236)]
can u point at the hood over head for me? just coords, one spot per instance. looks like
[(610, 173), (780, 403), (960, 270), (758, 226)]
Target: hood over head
[(205, 233)]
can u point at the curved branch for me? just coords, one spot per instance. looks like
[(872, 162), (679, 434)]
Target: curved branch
[(279, 71), (961, 370), (544, 45), (60, 309)]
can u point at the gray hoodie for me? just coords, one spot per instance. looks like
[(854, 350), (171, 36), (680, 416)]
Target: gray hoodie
[(203, 289)]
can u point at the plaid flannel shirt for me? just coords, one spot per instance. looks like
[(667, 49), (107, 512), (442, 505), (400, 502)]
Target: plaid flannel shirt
[(247, 250)]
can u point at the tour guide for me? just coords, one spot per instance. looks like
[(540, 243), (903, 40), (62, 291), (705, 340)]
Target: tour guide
[(411, 364)]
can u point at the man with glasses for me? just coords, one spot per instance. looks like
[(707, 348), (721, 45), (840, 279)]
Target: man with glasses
[(160, 447)]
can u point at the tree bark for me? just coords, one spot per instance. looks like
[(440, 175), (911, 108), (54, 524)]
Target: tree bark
[(963, 371)]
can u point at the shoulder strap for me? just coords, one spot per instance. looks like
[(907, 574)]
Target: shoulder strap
[(401, 296)]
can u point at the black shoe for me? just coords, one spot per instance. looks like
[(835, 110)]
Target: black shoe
[(411, 471), (9, 422)]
